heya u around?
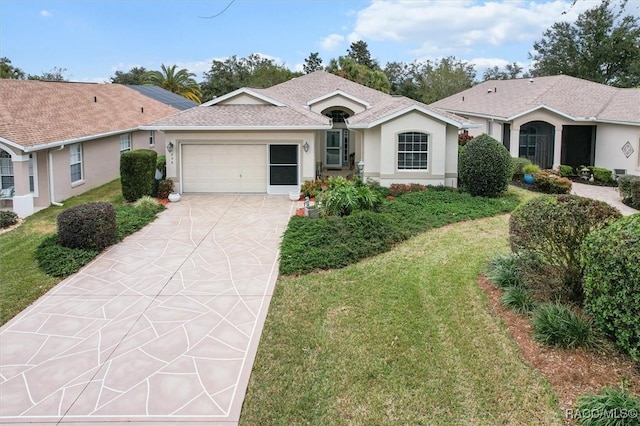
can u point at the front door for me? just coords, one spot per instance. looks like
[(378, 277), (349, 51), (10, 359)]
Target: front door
[(333, 156)]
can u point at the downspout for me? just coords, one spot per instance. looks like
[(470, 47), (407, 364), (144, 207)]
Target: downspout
[(52, 197)]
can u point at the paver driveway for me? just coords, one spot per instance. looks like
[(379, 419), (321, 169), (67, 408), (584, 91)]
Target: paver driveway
[(161, 328)]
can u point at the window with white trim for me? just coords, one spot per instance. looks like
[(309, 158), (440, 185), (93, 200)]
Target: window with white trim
[(75, 153), (6, 170), (125, 143), (32, 180), (152, 137), (413, 151)]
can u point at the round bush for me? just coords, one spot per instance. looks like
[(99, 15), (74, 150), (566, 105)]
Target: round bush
[(485, 166), (8, 219), (553, 228), (90, 226), (611, 261)]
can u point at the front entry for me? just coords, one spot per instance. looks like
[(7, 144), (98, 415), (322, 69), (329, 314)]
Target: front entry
[(337, 149), (536, 143), (578, 145)]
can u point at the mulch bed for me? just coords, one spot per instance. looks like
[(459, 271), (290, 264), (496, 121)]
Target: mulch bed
[(570, 372)]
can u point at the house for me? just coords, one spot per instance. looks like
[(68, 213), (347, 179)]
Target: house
[(60, 139), (271, 140), (556, 120)]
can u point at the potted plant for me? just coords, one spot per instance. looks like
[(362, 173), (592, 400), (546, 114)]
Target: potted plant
[(528, 171)]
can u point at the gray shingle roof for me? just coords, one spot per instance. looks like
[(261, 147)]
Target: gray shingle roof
[(580, 99), (295, 94)]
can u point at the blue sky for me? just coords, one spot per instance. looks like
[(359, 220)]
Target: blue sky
[(92, 39)]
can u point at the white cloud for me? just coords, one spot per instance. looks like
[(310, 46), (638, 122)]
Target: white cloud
[(331, 42), (489, 62), (45, 13), (442, 28)]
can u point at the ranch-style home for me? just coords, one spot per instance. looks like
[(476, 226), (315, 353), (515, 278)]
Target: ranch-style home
[(59, 139), (556, 120), (271, 140)]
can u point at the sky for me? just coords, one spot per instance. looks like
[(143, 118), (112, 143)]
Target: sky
[(93, 39)]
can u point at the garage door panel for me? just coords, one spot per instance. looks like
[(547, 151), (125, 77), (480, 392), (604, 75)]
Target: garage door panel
[(224, 168)]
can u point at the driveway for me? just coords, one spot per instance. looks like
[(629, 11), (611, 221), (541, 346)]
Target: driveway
[(159, 329)]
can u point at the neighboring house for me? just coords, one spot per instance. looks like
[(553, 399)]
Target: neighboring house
[(59, 139), (271, 140), (556, 120)]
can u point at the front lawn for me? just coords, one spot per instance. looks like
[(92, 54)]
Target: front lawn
[(405, 337), (21, 280)]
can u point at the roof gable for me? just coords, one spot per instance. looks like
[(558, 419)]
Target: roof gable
[(339, 94), (243, 96)]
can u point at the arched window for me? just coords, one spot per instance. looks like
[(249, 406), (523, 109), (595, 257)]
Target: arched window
[(413, 151), (337, 115)]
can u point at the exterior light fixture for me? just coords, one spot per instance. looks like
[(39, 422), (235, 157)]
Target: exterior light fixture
[(170, 147), (305, 146)]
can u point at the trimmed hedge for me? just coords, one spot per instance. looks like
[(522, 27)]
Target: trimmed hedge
[(7, 219), (566, 171), (90, 226), (485, 166), (553, 228), (137, 173), (549, 182), (611, 261), (601, 174)]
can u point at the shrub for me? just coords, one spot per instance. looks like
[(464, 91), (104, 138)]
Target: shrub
[(148, 205), (601, 174), (549, 182), (310, 188), (59, 261), (375, 186), (517, 165), (530, 169), (566, 171), (137, 173), (161, 165), (598, 409), (557, 325), (464, 138), (342, 197), (90, 226), (635, 194), (485, 166), (624, 186), (165, 187), (7, 219), (611, 262), (518, 300), (553, 228), (397, 189), (504, 271)]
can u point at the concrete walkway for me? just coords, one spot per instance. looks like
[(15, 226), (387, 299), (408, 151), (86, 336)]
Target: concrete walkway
[(607, 194), (159, 329)]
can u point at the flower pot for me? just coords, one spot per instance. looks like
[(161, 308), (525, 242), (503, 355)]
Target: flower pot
[(313, 213), (174, 197), (528, 178), (294, 195)]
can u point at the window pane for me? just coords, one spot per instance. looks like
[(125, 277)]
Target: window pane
[(76, 172), (283, 154), (283, 175)]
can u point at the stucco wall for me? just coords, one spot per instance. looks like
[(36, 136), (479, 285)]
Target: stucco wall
[(609, 141), (307, 159)]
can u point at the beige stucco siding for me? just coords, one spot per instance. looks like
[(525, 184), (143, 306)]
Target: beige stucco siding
[(307, 159), (610, 138), (371, 152), (334, 102)]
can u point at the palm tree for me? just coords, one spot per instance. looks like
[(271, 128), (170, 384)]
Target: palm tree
[(176, 81)]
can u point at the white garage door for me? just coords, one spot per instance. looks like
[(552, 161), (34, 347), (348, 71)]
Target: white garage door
[(224, 168)]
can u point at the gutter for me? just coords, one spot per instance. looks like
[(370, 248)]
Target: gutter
[(243, 128), (62, 143)]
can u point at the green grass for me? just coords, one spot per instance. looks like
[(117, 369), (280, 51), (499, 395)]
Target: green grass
[(334, 242), (21, 281), (405, 337)]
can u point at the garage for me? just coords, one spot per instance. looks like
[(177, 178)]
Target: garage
[(224, 168)]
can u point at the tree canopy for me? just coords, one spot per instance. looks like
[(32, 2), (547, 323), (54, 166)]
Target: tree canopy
[(359, 52), (510, 71), (348, 68), (175, 80), (56, 74), (234, 73), (9, 71), (135, 75), (601, 46), (312, 63)]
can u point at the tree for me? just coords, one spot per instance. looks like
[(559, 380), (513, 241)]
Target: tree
[(346, 67), (177, 81), (511, 71), (359, 52), (9, 71), (56, 74), (601, 46), (135, 75), (312, 63), (234, 73)]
